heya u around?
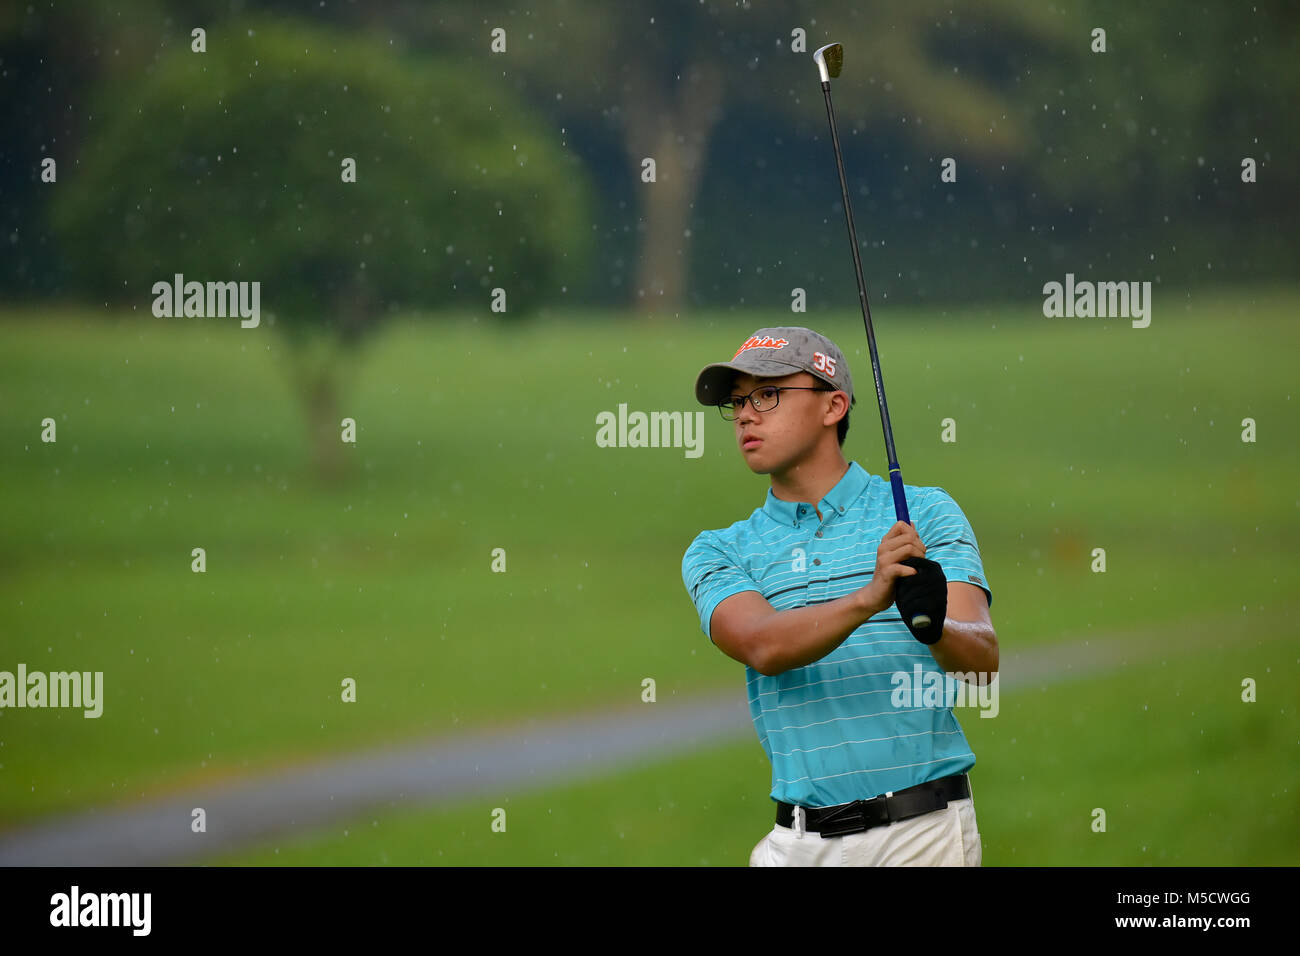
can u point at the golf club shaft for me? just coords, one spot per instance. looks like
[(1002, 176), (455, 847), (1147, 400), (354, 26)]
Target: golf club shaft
[(895, 473)]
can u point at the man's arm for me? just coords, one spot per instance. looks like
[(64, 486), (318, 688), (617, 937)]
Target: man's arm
[(747, 628), (969, 643)]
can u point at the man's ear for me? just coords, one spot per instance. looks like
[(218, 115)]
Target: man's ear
[(839, 400)]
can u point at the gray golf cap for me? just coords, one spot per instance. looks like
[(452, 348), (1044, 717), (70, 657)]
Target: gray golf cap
[(772, 353)]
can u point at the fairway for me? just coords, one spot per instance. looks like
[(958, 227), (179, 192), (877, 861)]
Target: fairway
[(1157, 746), (1071, 435)]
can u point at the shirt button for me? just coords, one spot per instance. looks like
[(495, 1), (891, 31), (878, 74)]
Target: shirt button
[(819, 534), (817, 560)]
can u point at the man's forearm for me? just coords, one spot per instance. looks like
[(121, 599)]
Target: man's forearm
[(802, 635), (967, 647)]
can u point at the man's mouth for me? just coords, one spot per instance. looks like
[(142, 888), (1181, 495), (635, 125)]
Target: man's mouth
[(749, 442)]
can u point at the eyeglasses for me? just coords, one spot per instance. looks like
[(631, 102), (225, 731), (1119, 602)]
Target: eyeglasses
[(764, 399)]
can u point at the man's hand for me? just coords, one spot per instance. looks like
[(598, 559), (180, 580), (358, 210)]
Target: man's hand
[(900, 542)]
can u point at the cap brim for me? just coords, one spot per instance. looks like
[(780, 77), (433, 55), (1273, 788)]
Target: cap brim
[(713, 385)]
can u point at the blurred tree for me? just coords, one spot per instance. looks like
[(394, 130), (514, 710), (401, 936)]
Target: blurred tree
[(670, 68), (229, 166), (1164, 117), (53, 55), (1079, 156)]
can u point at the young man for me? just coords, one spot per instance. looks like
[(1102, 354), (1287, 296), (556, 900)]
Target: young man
[(802, 593)]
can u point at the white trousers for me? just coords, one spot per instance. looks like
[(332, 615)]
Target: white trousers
[(946, 837)]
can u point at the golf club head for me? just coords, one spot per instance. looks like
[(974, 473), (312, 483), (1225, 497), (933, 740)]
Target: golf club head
[(829, 60)]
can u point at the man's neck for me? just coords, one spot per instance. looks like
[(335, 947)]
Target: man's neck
[(812, 480)]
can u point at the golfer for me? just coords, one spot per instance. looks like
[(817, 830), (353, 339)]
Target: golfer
[(864, 772)]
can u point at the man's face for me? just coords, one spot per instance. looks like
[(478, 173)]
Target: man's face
[(774, 440)]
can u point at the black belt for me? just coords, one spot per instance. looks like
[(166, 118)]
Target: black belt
[(879, 811)]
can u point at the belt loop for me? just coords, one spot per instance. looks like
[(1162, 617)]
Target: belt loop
[(798, 822)]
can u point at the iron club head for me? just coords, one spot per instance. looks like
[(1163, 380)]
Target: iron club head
[(829, 60)]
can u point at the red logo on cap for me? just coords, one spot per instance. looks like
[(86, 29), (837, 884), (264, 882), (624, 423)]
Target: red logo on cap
[(766, 342)]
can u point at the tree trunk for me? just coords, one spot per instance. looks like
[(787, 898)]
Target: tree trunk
[(315, 363), (676, 135), (320, 397)]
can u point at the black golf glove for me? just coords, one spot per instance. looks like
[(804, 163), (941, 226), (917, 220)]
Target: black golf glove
[(922, 599)]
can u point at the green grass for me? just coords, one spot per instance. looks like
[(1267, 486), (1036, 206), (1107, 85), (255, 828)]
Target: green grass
[(1187, 773), (1072, 434)]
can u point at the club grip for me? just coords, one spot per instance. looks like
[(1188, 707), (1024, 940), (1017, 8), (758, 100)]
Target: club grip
[(900, 500)]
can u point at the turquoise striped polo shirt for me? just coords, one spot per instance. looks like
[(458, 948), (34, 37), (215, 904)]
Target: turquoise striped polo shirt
[(829, 728)]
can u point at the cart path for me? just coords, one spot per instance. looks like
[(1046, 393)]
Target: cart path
[(537, 753)]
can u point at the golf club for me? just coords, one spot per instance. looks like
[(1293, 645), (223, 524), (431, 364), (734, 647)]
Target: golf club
[(922, 598)]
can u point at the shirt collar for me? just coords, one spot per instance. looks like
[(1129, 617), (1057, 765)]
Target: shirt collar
[(837, 501)]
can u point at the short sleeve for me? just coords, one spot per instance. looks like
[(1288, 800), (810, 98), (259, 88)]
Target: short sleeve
[(950, 540), (711, 576)]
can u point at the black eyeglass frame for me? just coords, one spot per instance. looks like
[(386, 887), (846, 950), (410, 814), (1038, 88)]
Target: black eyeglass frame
[(731, 407)]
